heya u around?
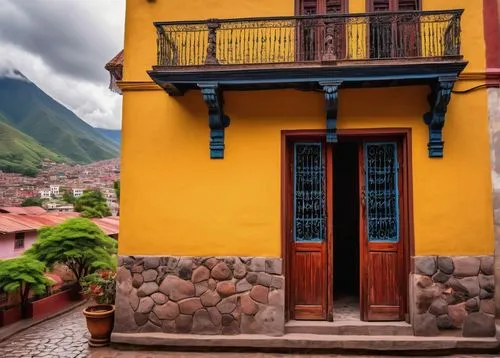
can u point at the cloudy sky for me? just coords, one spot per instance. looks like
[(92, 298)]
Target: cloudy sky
[(62, 46)]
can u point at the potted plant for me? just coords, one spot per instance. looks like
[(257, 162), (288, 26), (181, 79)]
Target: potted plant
[(100, 287), (77, 243), (89, 253)]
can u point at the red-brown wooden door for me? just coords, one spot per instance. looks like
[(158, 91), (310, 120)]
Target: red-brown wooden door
[(308, 246), (321, 39), (381, 244), (394, 39)]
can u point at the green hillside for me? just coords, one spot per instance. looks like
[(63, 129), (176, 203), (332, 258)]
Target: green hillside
[(19, 153), (113, 134), (30, 110)]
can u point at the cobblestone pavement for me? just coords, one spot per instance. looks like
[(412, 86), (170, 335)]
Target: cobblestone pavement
[(63, 336), (66, 336)]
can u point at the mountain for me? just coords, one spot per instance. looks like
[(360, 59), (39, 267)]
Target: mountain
[(20, 153), (113, 134), (27, 108)]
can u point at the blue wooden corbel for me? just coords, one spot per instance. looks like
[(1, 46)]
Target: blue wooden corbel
[(331, 90), (438, 100), (217, 120)]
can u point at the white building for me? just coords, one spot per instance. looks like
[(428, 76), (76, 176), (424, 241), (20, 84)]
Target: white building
[(54, 189), (45, 193), (51, 206), (77, 192)]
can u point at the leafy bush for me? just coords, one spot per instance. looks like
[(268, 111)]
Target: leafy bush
[(23, 274), (33, 202), (101, 286), (92, 204), (77, 243)]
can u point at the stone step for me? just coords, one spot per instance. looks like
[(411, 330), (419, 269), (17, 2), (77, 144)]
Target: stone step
[(307, 342), (354, 328)]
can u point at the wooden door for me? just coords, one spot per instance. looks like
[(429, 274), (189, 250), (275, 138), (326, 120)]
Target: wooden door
[(381, 246), (407, 30), (308, 247), (308, 46), (389, 38), (321, 39)]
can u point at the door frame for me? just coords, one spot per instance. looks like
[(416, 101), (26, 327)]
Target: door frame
[(288, 137)]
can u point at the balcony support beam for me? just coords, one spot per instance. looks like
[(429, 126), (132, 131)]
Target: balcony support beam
[(438, 99), (331, 90), (217, 120)]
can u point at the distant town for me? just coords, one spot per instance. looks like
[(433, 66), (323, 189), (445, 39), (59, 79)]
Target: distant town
[(57, 182)]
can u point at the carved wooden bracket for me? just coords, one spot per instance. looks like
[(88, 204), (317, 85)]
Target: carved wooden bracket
[(438, 100), (331, 90), (217, 120)]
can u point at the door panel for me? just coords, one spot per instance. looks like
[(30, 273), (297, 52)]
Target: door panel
[(382, 259), (308, 248), (321, 39), (310, 284), (383, 270), (394, 39)]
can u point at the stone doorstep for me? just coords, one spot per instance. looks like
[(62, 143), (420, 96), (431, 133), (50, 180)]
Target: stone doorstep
[(354, 328), (306, 341)]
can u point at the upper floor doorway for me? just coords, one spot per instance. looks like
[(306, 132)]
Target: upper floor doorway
[(325, 39)]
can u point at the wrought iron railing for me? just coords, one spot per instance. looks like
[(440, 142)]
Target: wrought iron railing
[(318, 38)]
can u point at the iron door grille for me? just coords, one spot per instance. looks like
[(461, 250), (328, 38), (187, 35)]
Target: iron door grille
[(309, 194), (382, 192)]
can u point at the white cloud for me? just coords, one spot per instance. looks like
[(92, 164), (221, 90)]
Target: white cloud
[(71, 70)]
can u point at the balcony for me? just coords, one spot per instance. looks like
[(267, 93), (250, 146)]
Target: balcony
[(317, 53), (277, 52)]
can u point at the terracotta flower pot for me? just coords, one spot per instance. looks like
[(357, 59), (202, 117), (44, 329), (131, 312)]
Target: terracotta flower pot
[(100, 322)]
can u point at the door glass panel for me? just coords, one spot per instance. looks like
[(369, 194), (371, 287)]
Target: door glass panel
[(382, 195), (309, 194)]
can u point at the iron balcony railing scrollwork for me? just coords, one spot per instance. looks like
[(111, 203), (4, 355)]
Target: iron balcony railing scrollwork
[(315, 38)]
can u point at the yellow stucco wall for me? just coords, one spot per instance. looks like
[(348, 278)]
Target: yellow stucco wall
[(176, 201)]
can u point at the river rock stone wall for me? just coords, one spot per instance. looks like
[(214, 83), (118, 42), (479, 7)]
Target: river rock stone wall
[(200, 295), (453, 293)]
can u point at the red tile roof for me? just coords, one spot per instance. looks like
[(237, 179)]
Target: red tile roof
[(116, 62), (28, 210), (108, 224), (10, 223), (115, 69)]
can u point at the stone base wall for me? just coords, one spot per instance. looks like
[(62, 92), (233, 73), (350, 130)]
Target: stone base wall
[(449, 293), (200, 295)]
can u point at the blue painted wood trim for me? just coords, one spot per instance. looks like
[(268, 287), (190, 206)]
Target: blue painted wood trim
[(438, 99), (321, 232), (396, 190), (217, 120), (361, 75), (331, 90)]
